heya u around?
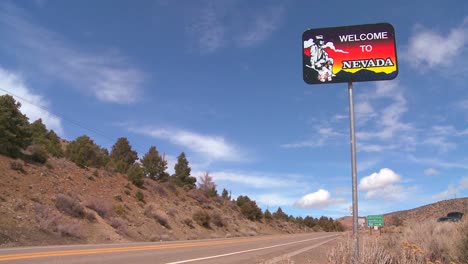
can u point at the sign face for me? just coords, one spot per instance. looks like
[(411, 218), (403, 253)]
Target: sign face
[(375, 220), (349, 54)]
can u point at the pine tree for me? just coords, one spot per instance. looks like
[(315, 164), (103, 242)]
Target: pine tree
[(39, 132), (122, 155), (45, 138), (267, 215), (280, 215), (249, 208), (182, 172), (15, 133), (84, 152), (54, 147), (154, 165), (225, 195)]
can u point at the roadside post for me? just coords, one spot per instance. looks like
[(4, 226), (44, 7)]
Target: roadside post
[(350, 54)]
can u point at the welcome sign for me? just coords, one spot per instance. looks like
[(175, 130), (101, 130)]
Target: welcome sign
[(349, 54)]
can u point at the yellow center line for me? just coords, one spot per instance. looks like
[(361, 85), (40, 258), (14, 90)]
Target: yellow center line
[(120, 249)]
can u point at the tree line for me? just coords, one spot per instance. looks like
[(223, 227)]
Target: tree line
[(34, 142)]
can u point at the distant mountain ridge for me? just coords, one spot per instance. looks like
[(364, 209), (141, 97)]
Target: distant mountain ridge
[(429, 212)]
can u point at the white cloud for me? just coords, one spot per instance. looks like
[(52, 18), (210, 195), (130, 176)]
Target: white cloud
[(212, 147), (208, 28), (378, 180), (265, 23), (29, 106), (105, 75), (388, 192), (384, 185), (452, 191), (440, 142), (259, 181), (215, 25), (275, 199), (322, 135), (431, 172), (317, 200), (430, 49), (463, 164)]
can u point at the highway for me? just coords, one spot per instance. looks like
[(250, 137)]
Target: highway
[(261, 249)]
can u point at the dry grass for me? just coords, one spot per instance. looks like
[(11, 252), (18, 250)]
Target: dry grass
[(427, 243), (103, 208), (218, 220), (70, 230), (70, 206), (199, 196), (202, 218), (160, 216), (44, 218)]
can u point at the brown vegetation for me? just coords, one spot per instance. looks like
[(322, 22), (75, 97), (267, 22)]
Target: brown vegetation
[(59, 204), (427, 242)]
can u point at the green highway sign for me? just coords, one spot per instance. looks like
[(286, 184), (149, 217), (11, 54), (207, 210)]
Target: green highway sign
[(375, 220)]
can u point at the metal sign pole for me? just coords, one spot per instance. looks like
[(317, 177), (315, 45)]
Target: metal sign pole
[(354, 176)]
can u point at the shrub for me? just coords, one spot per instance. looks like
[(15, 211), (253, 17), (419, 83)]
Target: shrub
[(91, 216), (44, 218), (218, 220), (38, 153), (159, 189), (117, 222), (119, 209), (199, 196), (189, 222), (136, 176), (397, 221), (202, 218), (140, 196), (426, 242), (101, 207), (160, 216), (69, 206), (17, 165), (70, 230)]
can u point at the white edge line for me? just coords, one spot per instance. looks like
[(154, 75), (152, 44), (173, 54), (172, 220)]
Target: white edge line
[(292, 254), (246, 251)]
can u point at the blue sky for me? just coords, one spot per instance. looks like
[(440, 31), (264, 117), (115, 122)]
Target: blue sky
[(222, 81)]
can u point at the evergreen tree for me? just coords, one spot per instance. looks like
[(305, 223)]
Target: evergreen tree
[(182, 172), (154, 165), (15, 133), (267, 215), (47, 139), (225, 195), (84, 152), (54, 147), (39, 132), (280, 215), (122, 155), (249, 208)]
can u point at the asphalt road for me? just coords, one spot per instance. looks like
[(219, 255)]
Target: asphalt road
[(262, 249)]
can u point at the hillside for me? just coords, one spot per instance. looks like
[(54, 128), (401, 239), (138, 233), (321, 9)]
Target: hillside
[(60, 203), (430, 212)]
